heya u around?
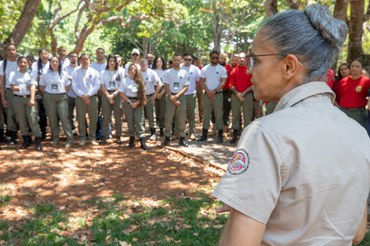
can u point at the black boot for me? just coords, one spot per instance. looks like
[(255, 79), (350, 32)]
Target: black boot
[(166, 141), (204, 136), (12, 138), (152, 131), (143, 144), (26, 142), (132, 142), (38, 143), (2, 136), (161, 132), (235, 137), (118, 140), (220, 136), (182, 142)]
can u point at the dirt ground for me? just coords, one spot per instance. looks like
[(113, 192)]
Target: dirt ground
[(67, 178)]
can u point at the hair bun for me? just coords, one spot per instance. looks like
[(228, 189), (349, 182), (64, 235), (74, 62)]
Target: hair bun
[(331, 29)]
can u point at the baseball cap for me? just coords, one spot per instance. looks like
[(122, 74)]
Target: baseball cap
[(135, 51)]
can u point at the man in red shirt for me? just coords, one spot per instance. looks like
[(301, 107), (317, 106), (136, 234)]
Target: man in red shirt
[(242, 96), (227, 88)]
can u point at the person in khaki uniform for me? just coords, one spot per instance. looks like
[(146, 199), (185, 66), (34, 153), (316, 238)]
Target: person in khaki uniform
[(299, 176), (153, 85), (25, 104), (242, 96), (176, 82), (159, 66), (212, 80), (55, 84), (86, 84), (6, 66), (111, 78), (132, 92)]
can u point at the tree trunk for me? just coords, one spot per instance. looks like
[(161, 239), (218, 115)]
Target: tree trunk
[(340, 10), (271, 7), (294, 4), (355, 29), (216, 27), (24, 22)]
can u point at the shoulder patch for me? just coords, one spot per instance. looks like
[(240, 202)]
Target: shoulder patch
[(239, 162)]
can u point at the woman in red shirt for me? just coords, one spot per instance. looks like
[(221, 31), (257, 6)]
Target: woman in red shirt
[(352, 93)]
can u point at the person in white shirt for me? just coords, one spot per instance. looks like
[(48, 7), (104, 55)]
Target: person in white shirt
[(110, 80), (153, 85), (132, 92), (100, 63), (71, 95), (150, 58), (62, 53), (159, 66), (212, 80), (190, 94), (55, 84), (135, 57), (6, 66), (23, 87), (176, 83), (86, 84), (40, 67)]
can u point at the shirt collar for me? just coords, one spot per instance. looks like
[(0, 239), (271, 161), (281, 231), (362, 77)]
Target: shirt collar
[(303, 92)]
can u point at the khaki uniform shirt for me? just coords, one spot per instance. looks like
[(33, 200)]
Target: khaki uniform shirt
[(303, 171)]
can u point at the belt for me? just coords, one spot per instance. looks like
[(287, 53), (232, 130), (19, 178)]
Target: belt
[(24, 96), (150, 95), (111, 91), (56, 94), (132, 98), (8, 89), (173, 94), (218, 92)]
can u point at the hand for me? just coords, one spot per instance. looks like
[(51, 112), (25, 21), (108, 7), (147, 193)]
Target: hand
[(5, 103), (134, 105), (240, 97), (211, 93), (31, 103), (86, 99), (159, 96), (153, 98), (224, 209)]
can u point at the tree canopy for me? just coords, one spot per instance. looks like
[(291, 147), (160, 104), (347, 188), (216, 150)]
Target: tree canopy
[(161, 27)]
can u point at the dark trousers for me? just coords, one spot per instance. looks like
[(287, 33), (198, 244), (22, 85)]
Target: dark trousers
[(42, 117)]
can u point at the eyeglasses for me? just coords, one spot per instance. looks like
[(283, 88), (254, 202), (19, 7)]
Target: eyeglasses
[(187, 59), (214, 57), (250, 59)]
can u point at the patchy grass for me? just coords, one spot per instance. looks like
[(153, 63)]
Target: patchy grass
[(116, 221), (4, 200), (366, 241)]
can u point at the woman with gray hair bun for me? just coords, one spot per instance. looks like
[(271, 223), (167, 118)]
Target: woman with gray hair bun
[(299, 176)]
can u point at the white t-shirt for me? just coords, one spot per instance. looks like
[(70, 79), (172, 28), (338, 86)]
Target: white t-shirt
[(194, 75), (98, 66), (176, 79), (23, 80), (44, 69), (111, 79), (151, 80), (161, 73), (54, 82), (213, 75), (129, 87), (85, 82), (65, 63), (10, 66), (70, 70)]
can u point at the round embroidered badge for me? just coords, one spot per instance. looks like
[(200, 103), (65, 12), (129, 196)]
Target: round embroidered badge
[(358, 88), (239, 163)]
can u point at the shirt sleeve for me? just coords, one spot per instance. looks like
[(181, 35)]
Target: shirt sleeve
[(96, 86), (223, 72), (203, 73), (155, 77), (252, 182), (166, 77), (1, 68), (11, 78), (67, 82), (197, 73), (121, 87), (75, 82)]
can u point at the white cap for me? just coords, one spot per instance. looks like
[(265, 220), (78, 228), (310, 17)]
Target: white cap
[(135, 51)]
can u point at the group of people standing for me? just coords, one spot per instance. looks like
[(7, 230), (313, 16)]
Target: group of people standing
[(51, 89), (56, 90)]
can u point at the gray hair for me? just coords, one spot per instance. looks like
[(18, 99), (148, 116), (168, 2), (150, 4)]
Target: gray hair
[(313, 35)]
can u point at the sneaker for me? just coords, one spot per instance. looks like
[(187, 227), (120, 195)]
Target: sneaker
[(192, 136), (82, 143), (93, 142)]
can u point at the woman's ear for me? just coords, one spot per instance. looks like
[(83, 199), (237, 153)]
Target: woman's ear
[(291, 66)]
